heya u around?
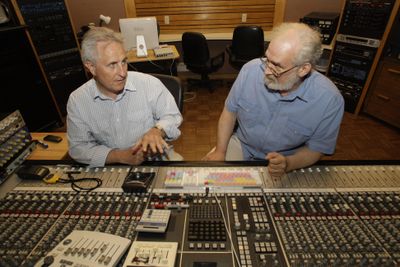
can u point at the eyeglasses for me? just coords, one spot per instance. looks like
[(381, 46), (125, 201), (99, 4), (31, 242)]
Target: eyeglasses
[(272, 67)]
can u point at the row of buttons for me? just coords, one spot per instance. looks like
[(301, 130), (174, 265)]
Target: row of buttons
[(207, 245)]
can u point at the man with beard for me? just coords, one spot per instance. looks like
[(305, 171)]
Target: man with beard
[(118, 116), (287, 113)]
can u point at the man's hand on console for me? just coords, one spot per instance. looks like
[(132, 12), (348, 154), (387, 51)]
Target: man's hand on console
[(277, 164), (154, 141)]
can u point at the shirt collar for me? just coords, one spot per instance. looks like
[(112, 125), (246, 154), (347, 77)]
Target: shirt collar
[(96, 94), (301, 92)]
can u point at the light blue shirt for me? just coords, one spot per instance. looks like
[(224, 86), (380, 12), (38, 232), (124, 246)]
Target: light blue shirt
[(311, 115), (96, 124)]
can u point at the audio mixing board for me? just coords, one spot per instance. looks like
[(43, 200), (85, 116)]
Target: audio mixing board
[(236, 215), (15, 143)]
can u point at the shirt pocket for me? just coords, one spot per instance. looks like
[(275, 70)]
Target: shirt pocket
[(296, 134), (248, 114)]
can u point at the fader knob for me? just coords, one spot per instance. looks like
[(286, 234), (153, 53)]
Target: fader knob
[(47, 261)]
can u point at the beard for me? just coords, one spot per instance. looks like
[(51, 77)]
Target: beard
[(272, 82)]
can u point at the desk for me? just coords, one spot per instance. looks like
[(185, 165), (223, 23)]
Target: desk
[(55, 151), (153, 64)]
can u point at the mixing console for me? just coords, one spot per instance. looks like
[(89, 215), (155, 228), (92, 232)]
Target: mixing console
[(342, 215), (321, 228), (34, 222), (15, 143)]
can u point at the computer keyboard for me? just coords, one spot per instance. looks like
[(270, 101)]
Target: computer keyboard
[(163, 52)]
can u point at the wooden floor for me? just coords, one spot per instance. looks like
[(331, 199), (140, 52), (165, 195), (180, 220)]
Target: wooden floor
[(361, 137)]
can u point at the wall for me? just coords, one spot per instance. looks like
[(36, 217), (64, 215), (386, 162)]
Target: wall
[(85, 11), (208, 16)]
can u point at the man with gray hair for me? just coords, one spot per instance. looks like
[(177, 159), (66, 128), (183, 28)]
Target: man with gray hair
[(118, 116), (287, 113)]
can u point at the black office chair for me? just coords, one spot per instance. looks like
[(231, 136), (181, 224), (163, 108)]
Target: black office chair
[(174, 85), (247, 44), (197, 59)]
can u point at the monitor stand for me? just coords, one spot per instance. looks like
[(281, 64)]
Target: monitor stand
[(141, 49)]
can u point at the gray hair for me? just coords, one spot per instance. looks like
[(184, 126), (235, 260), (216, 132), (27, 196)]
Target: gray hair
[(310, 48), (96, 35)]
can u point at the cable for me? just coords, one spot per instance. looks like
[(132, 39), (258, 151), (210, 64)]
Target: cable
[(77, 188), (226, 228), (156, 65)]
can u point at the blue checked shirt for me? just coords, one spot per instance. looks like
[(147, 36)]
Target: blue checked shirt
[(96, 124)]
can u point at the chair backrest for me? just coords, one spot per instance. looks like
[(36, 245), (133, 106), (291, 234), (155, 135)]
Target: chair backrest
[(248, 42), (174, 85), (195, 49)]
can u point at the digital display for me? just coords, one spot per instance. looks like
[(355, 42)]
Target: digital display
[(348, 72)]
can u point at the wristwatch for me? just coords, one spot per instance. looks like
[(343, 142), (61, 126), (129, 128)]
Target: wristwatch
[(163, 134)]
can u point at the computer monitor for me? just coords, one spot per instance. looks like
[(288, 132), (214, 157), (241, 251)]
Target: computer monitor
[(144, 26)]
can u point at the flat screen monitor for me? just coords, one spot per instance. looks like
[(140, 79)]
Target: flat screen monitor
[(145, 26)]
